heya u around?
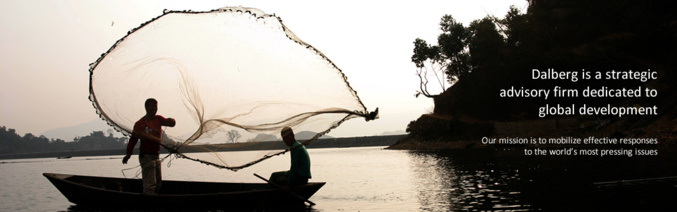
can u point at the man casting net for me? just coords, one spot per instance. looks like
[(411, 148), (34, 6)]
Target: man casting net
[(232, 78)]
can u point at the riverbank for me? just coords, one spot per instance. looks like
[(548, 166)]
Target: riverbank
[(364, 141)]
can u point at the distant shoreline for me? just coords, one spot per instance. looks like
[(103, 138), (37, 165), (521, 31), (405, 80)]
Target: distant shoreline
[(320, 143)]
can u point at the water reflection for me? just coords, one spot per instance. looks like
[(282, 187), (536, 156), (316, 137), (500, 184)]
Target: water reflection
[(494, 179), (446, 182), (434, 180)]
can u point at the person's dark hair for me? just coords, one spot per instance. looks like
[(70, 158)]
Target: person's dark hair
[(286, 130), (150, 100)]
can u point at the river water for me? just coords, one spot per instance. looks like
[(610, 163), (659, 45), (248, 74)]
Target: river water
[(375, 179)]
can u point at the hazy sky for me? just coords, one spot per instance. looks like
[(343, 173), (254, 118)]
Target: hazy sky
[(46, 48)]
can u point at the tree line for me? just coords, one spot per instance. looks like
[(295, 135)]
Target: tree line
[(13, 143)]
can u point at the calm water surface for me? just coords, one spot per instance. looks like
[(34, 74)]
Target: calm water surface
[(373, 179)]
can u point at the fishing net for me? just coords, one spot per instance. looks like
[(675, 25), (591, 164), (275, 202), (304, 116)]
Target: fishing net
[(232, 78)]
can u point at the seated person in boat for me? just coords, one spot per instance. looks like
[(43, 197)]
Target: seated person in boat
[(299, 172)]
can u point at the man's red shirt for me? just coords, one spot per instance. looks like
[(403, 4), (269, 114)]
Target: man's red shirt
[(144, 128)]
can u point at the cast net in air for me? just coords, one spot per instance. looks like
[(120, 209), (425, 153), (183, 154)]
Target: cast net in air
[(232, 78)]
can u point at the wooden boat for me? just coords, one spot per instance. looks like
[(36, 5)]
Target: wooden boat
[(126, 193)]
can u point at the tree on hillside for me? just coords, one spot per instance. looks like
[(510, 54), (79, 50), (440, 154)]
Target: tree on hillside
[(565, 35), (448, 61)]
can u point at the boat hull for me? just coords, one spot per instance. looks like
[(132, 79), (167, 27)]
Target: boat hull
[(126, 193)]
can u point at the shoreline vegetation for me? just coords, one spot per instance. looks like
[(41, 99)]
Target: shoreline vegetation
[(348, 142)]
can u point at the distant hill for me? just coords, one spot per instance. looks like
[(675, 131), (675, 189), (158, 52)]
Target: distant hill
[(264, 137), (396, 132), (68, 133), (305, 135)]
